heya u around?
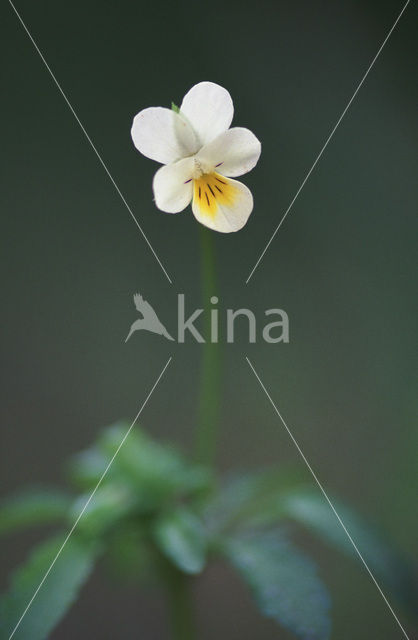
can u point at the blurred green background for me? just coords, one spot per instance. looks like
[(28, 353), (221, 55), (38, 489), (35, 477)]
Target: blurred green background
[(341, 266)]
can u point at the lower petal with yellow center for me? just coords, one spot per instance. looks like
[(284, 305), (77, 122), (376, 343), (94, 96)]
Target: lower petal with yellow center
[(220, 203)]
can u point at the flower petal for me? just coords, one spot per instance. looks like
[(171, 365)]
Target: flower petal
[(233, 152), (220, 203), (163, 135), (209, 109), (173, 186)]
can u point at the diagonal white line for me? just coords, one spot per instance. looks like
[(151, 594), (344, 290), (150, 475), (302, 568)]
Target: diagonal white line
[(326, 143), (89, 499), (324, 493), (89, 140)]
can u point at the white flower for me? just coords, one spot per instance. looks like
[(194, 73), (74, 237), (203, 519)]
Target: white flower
[(200, 154)]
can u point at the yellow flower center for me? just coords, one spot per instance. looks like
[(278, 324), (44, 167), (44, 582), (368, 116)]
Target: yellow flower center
[(212, 190)]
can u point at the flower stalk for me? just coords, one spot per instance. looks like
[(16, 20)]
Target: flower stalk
[(180, 605), (208, 408)]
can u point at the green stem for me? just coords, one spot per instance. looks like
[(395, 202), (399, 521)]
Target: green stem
[(181, 613), (208, 411)]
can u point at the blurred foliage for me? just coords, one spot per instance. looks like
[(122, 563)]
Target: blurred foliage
[(284, 581), (33, 507), (181, 536), (151, 514), (54, 598)]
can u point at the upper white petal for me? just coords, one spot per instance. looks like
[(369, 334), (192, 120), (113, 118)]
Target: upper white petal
[(209, 109), (163, 135), (233, 152), (173, 186), (227, 218)]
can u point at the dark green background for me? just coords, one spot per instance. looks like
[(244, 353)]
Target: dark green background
[(341, 266)]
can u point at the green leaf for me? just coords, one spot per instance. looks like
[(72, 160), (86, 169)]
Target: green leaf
[(146, 463), (55, 596), (86, 468), (311, 509), (181, 537), (109, 504), (284, 582), (251, 498), (175, 108), (152, 471), (33, 507)]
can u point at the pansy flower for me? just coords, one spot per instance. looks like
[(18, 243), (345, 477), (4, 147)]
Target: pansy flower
[(201, 155)]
